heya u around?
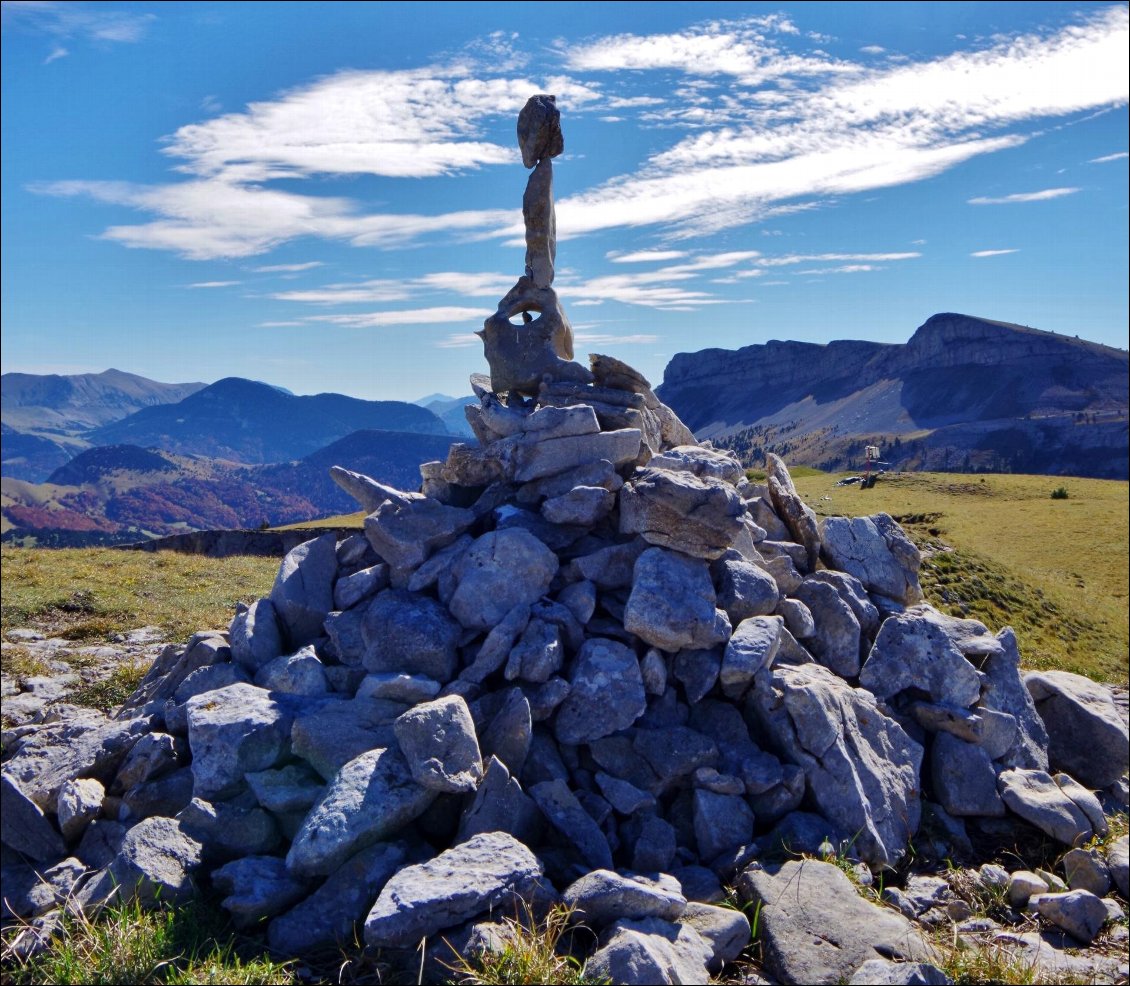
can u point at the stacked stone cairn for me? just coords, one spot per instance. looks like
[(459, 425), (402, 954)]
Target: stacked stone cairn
[(589, 664)]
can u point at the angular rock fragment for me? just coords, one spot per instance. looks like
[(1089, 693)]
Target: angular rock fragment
[(1035, 797), (606, 693), (438, 740), (303, 591), (876, 551), (501, 570), (699, 517), (409, 633), (672, 604)]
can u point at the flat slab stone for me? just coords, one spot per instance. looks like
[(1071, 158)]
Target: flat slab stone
[(699, 517), (814, 927), (24, 827), (491, 871), (532, 460), (603, 896), (1035, 797), (650, 952), (371, 798)]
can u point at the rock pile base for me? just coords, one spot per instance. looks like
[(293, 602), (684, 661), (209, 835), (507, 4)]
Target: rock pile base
[(590, 663)]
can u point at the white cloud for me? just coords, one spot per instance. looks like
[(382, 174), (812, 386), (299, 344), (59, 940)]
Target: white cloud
[(214, 284), (1109, 157), (804, 258), (644, 256), (458, 340), (1042, 196), (992, 253), (845, 269), (604, 339), (387, 289), (76, 20), (287, 268), (415, 316), (873, 49), (56, 53)]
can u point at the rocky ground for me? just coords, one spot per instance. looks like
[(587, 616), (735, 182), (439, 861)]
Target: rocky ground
[(592, 666)]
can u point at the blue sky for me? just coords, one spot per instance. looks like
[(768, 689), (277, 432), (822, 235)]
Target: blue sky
[(327, 197)]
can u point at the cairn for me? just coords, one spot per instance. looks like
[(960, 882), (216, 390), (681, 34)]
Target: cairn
[(589, 663)]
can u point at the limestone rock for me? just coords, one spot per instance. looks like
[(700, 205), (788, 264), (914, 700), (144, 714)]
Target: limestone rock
[(439, 742), (836, 635), (371, 798), (603, 897), (752, 647), (405, 533), (744, 590), (861, 768), (724, 929), (1035, 797), (650, 952), (156, 862), (80, 802), (406, 632), (500, 805), (606, 693), (303, 591), (964, 779), (488, 871), (257, 887), (672, 604), (876, 551), (796, 514), (532, 459), (24, 827), (501, 570), (565, 813), (814, 927), (1003, 690), (1087, 737), (255, 635), (697, 516), (1080, 913)]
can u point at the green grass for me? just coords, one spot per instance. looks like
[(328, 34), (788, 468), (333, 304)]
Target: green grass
[(126, 944), (89, 594)]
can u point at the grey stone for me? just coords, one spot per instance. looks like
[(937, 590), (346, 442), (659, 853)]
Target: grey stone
[(999, 732), (255, 635), (798, 618), (29, 892), (300, 673), (329, 737), (673, 753), (164, 796), (538, 655), (752, 647), (606, 693), (509, 733), (625, 798), (172, 666), (852, 592), (710, 779), (257, 887), (580, 598), (653, 846), (959, 722), (1023, 885), (583, 505), (497, 646), (612, 567), (1003, 690), (501, 570), (913, 650), (1118, 859), (405, 533), (650, 952), (228, 830), (100, 843), (81, 745), (788, 505), (489, 871), (603, 897), (286, 789), (209, 678), (152, 755), (1086, 869), (697, 671), (964, 779), (500, 805), (861, 768), (23, 825), (1086, 800), (884, 972), (1079, 912), (439, 742), (532, 460), (1035, 797), (814, 928), (371, 798), (724, 929), (369, 493), (876, 551), (410, 633), (722, 823), (700, 460), (437, 569), (329, 915), (232, 731), (303, 591), (80, 802), (672, 604), (653, 670), (156, 862), (699, 517), (566, 814), (836, 638), (398, 687), (349, 590), (1087, 736), (546, 698)]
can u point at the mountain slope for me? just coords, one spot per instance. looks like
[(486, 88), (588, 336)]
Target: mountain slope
[(66, 405), (962, 393), (254, 423)]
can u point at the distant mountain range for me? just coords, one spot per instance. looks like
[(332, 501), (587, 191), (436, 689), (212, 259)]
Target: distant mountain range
[(114, 457), (964, 394)]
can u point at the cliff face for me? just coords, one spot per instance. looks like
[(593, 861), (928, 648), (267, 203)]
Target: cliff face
[(963, 392)]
